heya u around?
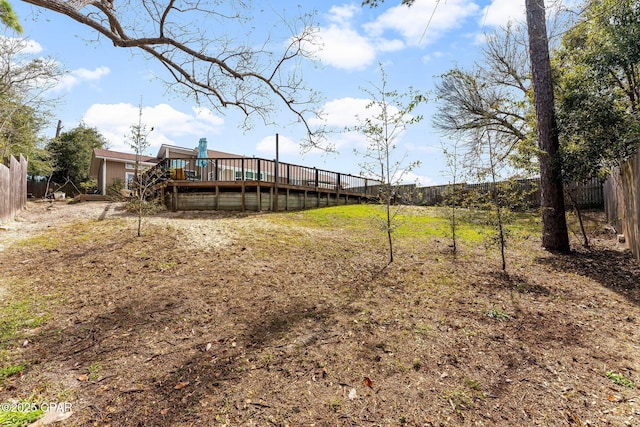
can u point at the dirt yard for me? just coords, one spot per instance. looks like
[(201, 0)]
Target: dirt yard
[(268, 320)]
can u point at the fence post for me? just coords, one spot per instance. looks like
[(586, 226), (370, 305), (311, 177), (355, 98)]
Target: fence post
[(13, 188)]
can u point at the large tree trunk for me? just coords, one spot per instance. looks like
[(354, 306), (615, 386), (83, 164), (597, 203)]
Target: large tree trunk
[(554, 225)]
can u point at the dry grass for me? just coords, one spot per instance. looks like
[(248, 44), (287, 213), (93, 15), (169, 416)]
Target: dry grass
[(291, 319)]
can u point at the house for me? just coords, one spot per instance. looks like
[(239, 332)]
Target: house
[(109, 166), (184, 179)]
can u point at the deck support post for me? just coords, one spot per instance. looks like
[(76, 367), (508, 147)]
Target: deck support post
[(286, 201), (243, 205), (258, 197), (271, 199), (174, 199)]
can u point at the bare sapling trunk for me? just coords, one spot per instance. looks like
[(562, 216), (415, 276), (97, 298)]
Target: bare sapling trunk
[(496, 202), (578, 211)]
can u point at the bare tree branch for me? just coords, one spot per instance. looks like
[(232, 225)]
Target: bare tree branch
[(192, 40)]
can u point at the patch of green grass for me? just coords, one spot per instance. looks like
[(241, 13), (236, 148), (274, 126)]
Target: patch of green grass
[(497, 314), (475, 388), (459, 400), (41, 241), (422, 329), (19, 414), (166, 265), (620, 379), (9, 371), (18, 317), (411, 222), (94, 371)]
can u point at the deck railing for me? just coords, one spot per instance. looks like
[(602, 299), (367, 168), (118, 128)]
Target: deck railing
[(260, 170)]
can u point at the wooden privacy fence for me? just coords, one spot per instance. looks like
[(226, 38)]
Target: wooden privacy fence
[(13, 188), (586, 195), (622, 201)]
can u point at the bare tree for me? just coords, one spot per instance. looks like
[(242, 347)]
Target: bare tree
[(390, 114), (141, 186), (193, 41), (554, 224), (492, 96), (452, 196), (489, 164), (25, 104)]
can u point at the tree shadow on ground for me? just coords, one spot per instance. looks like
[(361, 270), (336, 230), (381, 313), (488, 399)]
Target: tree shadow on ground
[(177, 369), (615, 270), (500, 280)]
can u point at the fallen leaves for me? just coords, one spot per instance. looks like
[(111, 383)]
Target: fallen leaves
[(368, 382), (182, 327), (181, 385)]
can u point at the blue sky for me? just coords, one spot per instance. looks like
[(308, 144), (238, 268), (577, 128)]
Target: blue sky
[(104, 84)]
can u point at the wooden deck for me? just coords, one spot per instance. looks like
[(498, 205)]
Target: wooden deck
[(253, 184)]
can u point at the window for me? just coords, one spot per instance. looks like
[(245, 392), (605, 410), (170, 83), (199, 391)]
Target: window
[(249, 175), (129, 177), (132, 166), (178, 164)]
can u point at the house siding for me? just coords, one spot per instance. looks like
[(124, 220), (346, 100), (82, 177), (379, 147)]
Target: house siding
[(115, 171)]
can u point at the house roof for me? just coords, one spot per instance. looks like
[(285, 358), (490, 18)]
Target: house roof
[(119, 156), (125, 157), (212, 154), (162, 152), (116, 156)]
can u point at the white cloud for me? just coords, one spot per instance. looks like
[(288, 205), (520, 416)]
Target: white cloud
[(501, 12), (114, 122), (344, 48), (389, 45), (32, 47), (343, 112), (411, 22), (420, 180), (347, 44), (79, 76), (20, 46), (207, 115), (340, 45), (348, 112), (343, 14), (286, 146)]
